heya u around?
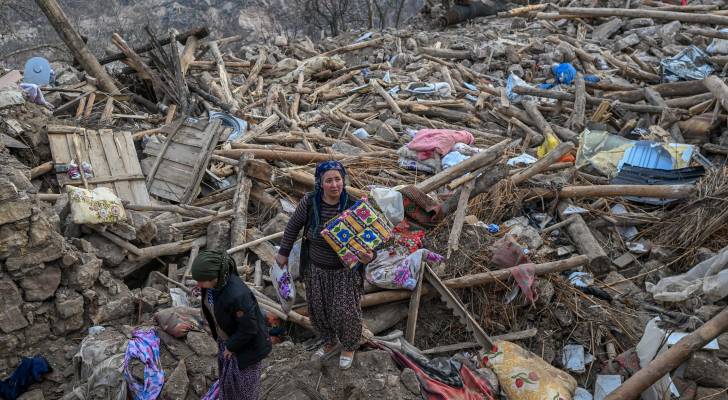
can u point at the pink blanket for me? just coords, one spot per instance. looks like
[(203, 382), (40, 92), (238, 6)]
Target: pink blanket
[(427, 141)]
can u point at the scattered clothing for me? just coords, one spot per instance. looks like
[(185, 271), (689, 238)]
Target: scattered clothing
[(452, 159), (525, 275), (429, 141), (30, 370), (144, 345), (466, 383), (395, 269), (35, 94), (507, 254), (334, 301), (418, 206)]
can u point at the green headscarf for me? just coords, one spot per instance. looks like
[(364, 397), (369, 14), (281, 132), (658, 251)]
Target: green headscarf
[(213, 264)]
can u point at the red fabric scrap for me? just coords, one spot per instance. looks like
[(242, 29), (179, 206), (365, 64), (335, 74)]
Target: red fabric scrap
[(474, 386)]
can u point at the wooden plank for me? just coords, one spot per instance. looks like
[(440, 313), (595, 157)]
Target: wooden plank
[(116, 165), (240, 206), (97, 158), (191, 137), (139, 188), (177, 152), (149, 161), (414, 308), (107, 180), (169, 172), (166, 190), (212, 132), (158, 160)]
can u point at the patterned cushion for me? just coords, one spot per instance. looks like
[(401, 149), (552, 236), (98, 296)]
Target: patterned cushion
[(355, 231)]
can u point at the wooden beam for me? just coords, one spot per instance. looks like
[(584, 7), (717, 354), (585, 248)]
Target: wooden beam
[(240, 211), (486, 157), (73, 40)]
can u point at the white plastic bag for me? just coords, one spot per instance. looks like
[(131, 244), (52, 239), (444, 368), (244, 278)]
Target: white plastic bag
[(390, 202), (285, 289), (709, 277), (650, 346)]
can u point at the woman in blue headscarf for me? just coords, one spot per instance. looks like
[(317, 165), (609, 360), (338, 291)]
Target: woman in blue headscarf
[(333, 291)]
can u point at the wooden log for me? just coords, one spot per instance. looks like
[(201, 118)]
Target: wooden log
[(41, 170), (240, 211), (453, 242), (671, 359), (585, 242), (486, 157), (331, 84), (711, 33), (445, 113), (447, 53), (512, 336), (718, 88), (410, 118), (715, 149), (535, 137), (672, 89), (191, 212), (48, 196), (184, 37), (383, 93), (75, 43), (630, 69), (414, 308), (301, 157), (224, 79), (255, 242), (108, 110), (188, 54), (481, 279), (541, 123), (688, 101), (578, 119), (253, 76), (706, 19), (354, 46), (553, 94), (203, 220), (541, 165), (489, 177), (576, 192)]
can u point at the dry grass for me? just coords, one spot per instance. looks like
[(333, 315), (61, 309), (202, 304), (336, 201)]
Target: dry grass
[(702, 222)]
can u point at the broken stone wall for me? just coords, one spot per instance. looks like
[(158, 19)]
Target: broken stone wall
[(52, 289)]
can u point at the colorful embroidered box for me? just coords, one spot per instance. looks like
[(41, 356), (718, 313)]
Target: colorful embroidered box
[(355, 231)]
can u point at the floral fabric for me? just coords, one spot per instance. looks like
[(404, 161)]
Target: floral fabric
[(526, 376), (97, 206), (356, 231), (144, 345)]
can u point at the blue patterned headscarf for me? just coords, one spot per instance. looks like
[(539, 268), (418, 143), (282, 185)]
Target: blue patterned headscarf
[(318, 193)]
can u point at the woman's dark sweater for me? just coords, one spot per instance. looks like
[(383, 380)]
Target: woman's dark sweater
[(320, 253)]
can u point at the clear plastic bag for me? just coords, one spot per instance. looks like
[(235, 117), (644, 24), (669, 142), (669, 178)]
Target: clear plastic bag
[(389, 202), (285, 289)]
